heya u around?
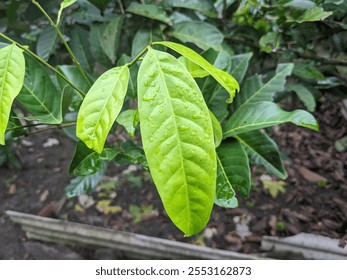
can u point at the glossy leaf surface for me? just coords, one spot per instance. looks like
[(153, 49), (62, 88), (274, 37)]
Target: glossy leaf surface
[(178, 140), (263, 150), (233, 173), (12, 70), (101, 107), (224, 79), (39, 95)]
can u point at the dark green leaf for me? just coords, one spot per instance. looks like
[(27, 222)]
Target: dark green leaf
[(81, 48), (202, 34), (47, 42), (263, 150), (204, 6), (150, 11), (143, 37), (305, 95), (39, 94)]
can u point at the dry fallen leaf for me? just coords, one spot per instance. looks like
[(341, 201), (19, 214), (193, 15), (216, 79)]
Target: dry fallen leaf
[(311, 176)]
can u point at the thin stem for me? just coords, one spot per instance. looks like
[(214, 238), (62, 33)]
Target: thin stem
[(121, 6), (326, 60), (136, 58), (62, 125), (61, 36), (39, 59)]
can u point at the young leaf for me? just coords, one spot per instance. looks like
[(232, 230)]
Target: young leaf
[(39, 94), (263, 150), (101, 107), (129, 119), (63, 5), (225, 80), (150, 11), (233, 172), (12, 70), (263, 114), (202, 34), (178, 140), (195, 70), (110, 38)]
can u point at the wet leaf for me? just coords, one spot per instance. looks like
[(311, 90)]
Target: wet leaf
[(178, 140)]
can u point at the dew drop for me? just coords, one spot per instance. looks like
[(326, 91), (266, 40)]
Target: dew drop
[(183, 128), (196, 117)]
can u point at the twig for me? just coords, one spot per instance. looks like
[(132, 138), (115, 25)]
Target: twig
[(39, 59), (333, 61), (121, 6), (61, 36)]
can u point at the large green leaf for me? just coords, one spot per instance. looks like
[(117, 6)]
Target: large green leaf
[(263, 114), (224, 79), (204, 6), (202, 34), (39, 95), (178, 140), (101, 107), (110, 38), (233, 173), (74, 75), (313, 14), (47, 42), (239, 66), (12, 70), (150, 11), (263, 150), (94, 39), (87, 161)]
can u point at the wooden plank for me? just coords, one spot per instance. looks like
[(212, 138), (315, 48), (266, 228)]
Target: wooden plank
[(132, 245)]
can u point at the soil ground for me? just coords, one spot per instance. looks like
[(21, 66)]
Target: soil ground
[(312, 199)]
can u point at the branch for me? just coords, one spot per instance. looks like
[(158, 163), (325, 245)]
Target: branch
[(333, 61)]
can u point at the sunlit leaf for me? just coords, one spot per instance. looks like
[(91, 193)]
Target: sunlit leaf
[(12, 70), (227, 81), (101, 107), (178, 140), (313, 14)]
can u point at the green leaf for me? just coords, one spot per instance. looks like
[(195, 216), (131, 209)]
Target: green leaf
[(217, 130), (195, 70), (81, 48), (130, 153), (110, 38), (144, 37), (202, 34), (239, 66), (270, 42), (300, 4), (87, 161), (313, 14), (150, 11), (178, 140), (63, 5), (84, 184), (39, 94), (129, 119), (263, 150), (265, 114), (134, 69), (253, 90), (47, 42), (12, 70), (204, 6), (233, 173), (95, 37), (304, 95), (74, 75), (224, 79), (101, 107), (307, 72)]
